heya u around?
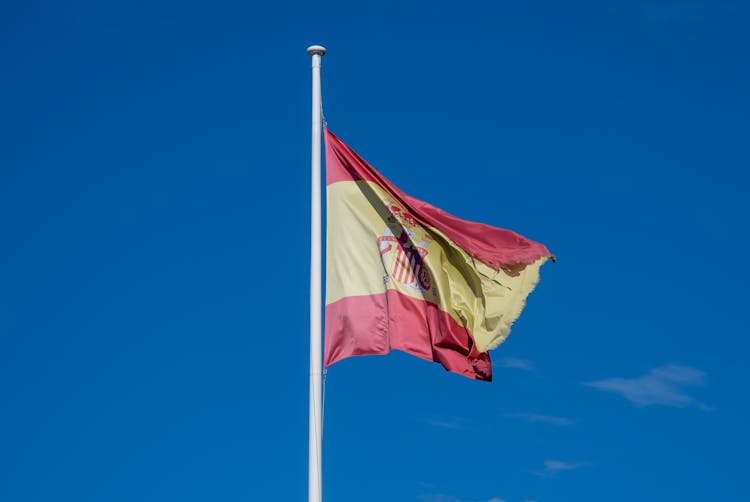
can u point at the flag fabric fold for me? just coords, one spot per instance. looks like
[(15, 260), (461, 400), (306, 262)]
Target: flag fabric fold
[(402, 274)]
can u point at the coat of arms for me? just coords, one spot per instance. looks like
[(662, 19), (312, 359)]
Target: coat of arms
[(403, 249)]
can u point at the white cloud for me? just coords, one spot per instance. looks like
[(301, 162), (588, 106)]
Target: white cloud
[(552, 467), (663, 385), (539, 418), (516, 363)]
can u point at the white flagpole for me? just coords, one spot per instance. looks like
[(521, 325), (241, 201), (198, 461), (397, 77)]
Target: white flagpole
[(315, 456)]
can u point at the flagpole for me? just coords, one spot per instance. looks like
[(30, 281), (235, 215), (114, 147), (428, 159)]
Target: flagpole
[(315, 457)]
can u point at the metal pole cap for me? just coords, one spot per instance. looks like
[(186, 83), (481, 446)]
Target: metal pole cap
[(316, 50)]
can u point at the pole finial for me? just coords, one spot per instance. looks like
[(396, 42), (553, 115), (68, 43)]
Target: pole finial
[(316, 50)]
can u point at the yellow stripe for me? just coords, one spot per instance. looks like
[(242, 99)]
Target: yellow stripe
[(361, 214)]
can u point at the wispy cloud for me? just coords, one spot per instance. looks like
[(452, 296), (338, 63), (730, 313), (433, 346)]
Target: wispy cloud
[(451, 423), (663, 385), (553, 467), (539, 418), (516, 363), (438, 497)]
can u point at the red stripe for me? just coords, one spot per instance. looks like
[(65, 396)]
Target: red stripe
[(375, 324), (494, 246), (409, 268), (397, 265), (401, 265)]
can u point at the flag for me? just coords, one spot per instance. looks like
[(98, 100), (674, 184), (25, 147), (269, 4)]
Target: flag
[(404, 275)]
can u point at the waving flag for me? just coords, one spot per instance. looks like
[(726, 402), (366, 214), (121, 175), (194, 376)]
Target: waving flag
[(402, 274)]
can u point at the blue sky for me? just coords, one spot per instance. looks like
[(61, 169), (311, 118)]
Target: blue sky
[(154, 260)]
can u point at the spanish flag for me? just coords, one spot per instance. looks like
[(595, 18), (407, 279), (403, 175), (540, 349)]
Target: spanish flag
[(402, 274)]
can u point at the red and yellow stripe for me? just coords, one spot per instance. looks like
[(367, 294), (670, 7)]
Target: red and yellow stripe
[(405, 275)]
